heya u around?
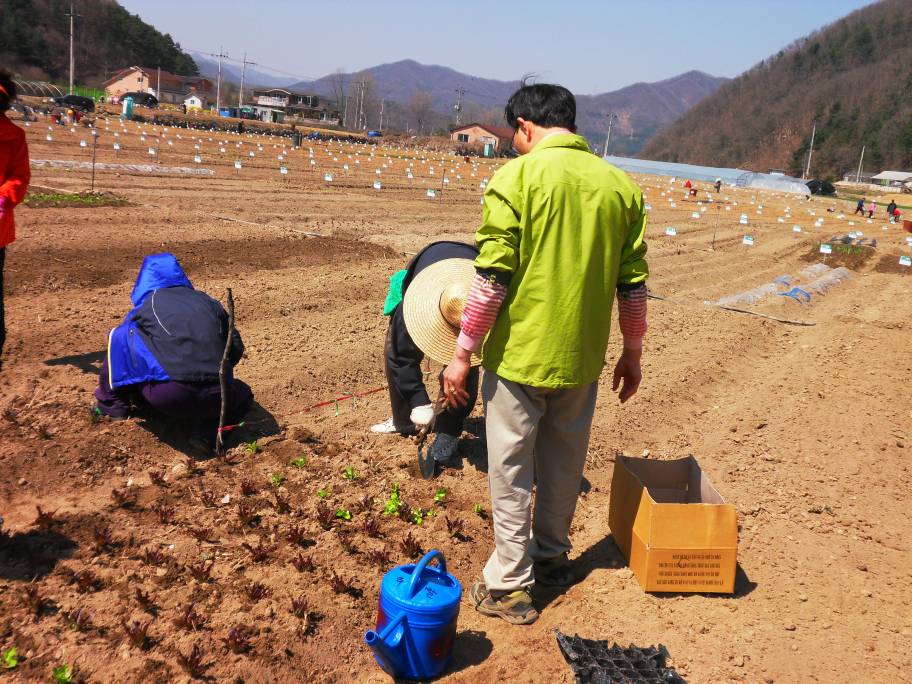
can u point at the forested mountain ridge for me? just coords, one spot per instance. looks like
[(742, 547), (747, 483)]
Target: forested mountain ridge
[(853, 77), (35, 35)]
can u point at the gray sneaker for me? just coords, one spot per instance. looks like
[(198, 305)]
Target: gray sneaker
[(444, 447)]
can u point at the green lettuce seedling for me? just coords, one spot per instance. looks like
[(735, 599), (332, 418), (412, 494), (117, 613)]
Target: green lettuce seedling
[(323, 493), (299, 462), (440, 495), (252, 447), (62, 674), (277, 479), (343, 514), (350, 474), (10, 658)]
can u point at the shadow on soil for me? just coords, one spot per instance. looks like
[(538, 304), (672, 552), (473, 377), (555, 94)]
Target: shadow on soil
[(258, 423), (605, 554), (472, 647), (27, 555), (87, 363)]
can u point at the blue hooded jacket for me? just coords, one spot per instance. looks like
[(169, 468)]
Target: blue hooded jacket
[(173, 332)]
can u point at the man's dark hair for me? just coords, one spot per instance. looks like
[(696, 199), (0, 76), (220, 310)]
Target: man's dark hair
[(544, 104), (6, 83)]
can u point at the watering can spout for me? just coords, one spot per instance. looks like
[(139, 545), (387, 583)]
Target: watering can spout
[(387, 648)]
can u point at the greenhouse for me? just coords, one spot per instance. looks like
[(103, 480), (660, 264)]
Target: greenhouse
[(737, 177)]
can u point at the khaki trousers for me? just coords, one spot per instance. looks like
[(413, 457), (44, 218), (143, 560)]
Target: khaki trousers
[(536, 436)]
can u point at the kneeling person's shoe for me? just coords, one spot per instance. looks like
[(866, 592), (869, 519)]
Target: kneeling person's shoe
[(513, 606)]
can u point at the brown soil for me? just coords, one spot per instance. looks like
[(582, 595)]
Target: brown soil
[(851, 256), (889, 263), (813, 452)]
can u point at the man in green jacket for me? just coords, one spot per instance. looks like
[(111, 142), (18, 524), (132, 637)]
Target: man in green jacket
[(561, 234)]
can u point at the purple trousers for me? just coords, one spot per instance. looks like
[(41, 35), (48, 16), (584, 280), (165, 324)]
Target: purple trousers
[(198, 402)]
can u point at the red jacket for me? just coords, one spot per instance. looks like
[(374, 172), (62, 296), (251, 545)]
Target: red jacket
[(14, 174)]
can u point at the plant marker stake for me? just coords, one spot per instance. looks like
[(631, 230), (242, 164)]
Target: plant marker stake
[(94, 144), (223, 379)]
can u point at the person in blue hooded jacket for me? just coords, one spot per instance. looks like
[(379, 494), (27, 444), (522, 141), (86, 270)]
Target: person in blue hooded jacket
[(166, 353)]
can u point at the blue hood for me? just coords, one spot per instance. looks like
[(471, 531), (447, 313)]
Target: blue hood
[(158, 271)]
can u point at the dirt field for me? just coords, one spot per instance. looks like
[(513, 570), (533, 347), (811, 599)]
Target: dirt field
[(804, 428)]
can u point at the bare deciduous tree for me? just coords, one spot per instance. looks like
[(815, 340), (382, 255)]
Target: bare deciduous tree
[(420, 107)]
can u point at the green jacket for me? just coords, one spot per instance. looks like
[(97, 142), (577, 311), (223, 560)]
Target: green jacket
[(569, 227)]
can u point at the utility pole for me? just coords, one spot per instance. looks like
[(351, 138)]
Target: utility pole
[(158, 85), (243, 72), (858, 175), (807, 170), (218, 83), (381, 116), (72, 15), (361, 119), (611, 117), (459, 93)]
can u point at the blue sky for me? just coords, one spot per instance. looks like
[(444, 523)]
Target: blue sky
[(586, 45)]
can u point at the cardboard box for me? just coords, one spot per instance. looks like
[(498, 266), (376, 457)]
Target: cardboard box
[(673, 526)]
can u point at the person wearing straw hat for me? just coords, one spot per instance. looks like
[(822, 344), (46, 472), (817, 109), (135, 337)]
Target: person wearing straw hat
[(562, 234), (14, 180), (425, 305)]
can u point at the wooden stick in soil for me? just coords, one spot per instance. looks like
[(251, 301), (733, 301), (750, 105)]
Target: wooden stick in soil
[(223, 379)]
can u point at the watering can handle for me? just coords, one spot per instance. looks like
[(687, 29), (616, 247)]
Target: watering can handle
[(422, 564)]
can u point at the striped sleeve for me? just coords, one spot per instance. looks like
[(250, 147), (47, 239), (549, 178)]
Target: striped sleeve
[(480, 312), (632, 314)]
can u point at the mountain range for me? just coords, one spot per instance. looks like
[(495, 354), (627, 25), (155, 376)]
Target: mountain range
[(639, 109), (851, 80)]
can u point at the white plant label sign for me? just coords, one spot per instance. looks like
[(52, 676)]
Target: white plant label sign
[(748, 240), (826, 249)]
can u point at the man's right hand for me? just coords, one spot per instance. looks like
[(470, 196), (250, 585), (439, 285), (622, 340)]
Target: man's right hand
[(628, 370)]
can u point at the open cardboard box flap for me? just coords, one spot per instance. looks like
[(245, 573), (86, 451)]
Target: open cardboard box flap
[(675, 529)]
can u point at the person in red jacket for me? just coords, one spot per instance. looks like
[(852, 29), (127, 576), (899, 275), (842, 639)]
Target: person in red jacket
[(14, 180)]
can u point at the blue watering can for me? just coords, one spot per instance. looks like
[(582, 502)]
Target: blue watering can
[(416, 620)]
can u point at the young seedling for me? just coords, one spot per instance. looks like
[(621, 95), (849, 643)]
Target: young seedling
[(252, 448), (350, 474), (455, 527), (189, 619), (257, 591), (440, 496), (246, 513), (393, 504), (157, 478), (87, 581), (153, 557), (102, 538), (192, 663), (323, 493), (62, 674), (201, 534), (300, 462), (202, 571), (123, 498), (325, 515), (260, 552), (410, 546), (237, 640), (343, 514), (208, 498), (282, 503), (10, 658), (346, 540), (340, 585), (276, 479), (479, 510), (303, 563), (34, 601), (165, 513), (416, 516), (79, 619), (299, 606), (145, 601), (379, 557), (45, 519), (371, 527), (249, 487), (136, 632), (297, 535), (366, 503)]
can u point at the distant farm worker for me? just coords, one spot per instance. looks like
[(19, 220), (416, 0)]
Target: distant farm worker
[(891, 207), (561, 233), (167, 352), (425, 305), (860, 207), (871, 207), (718, 184), (14, 180), (897, 215), (687, 184)]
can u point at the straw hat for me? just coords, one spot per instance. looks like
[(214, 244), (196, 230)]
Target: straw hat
[(432, 307)]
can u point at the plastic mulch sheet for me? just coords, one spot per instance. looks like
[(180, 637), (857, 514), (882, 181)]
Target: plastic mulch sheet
[(593, 661)]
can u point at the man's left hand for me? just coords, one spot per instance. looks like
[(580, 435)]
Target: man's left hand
[(453, 379)]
